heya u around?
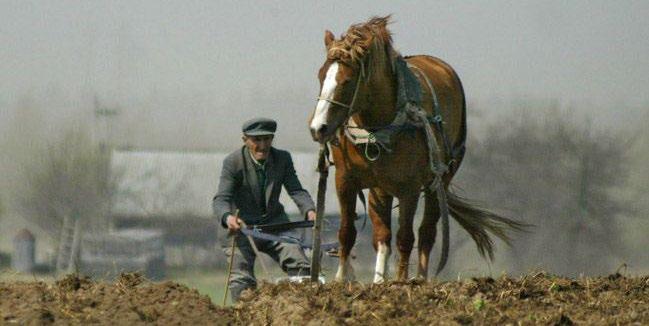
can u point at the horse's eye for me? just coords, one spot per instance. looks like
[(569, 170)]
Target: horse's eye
[(345, 81)]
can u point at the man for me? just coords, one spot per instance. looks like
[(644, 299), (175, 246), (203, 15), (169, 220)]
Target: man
[(251, 181)]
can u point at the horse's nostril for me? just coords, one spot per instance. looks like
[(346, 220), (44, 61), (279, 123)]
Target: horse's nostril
[(322, 130)]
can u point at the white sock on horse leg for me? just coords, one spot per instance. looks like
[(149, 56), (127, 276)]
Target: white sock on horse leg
[(382, 257), (345, 272)]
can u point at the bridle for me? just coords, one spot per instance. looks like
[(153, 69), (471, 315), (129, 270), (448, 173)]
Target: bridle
[(350, 106)]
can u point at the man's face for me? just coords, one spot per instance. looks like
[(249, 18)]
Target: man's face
[(259, 146)]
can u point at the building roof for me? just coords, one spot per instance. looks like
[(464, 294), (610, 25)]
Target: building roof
[(157, 183)]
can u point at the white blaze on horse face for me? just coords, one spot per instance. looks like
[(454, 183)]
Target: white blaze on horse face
[(328, 91), (381, 269)]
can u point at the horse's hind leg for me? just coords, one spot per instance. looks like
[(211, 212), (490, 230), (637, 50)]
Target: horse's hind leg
[(347, 232), (405, 235), (380, 211), (427, 233)]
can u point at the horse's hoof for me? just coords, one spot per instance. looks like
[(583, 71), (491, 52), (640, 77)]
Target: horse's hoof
[(418, 279), (343, 280)]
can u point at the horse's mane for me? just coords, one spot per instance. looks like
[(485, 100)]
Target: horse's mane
[(371, 38)]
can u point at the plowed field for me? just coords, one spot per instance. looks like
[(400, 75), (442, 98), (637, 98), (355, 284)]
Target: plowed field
[(532, 299)]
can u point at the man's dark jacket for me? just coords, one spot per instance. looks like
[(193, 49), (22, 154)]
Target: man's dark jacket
[(239, 188)]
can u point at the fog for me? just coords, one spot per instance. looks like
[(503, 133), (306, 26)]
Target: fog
[(199, 68), (184, 75)]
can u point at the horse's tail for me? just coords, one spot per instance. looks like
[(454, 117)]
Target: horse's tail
[(480, 222)]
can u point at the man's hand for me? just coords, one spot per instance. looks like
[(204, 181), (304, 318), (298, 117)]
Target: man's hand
[(310, 215), (233, 223)]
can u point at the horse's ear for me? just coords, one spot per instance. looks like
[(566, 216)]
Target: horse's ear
[(328, 38)]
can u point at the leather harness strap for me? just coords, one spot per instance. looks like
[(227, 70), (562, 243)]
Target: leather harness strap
[(368, 135), (437, 118)]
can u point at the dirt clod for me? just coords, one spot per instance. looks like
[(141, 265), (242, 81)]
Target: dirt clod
[(533, 299), (130, 300), (130, 280), (73, 282)]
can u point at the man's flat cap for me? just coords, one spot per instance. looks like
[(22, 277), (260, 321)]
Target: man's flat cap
[(259, 127)]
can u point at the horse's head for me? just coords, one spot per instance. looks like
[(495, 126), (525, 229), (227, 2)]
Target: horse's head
[(339, 88), (344, 76)]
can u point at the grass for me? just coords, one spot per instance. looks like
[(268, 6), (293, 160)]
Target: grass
[(211, 282), (207, 282), (9, 275)]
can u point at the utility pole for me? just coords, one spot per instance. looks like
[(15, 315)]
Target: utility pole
[(106, 115)]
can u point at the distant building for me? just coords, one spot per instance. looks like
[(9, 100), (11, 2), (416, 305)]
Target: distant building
[(172, 192), (105, 256)]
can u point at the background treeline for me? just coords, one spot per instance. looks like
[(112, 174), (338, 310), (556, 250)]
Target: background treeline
[(581, 184), (576, 183)]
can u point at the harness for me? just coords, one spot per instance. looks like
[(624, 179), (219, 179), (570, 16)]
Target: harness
[(407, 119)]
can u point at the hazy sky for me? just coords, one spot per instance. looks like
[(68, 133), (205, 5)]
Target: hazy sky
[(207, 65)]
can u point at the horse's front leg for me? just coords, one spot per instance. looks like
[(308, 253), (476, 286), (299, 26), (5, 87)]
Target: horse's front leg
[(380, 212), (347, 191), (405, 235)]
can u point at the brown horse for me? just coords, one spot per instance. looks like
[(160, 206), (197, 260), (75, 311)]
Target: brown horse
[(359, 92)]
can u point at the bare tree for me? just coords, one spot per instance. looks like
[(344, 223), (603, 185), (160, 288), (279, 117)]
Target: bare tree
[(68, 189), (561, 176), (2, 207)]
